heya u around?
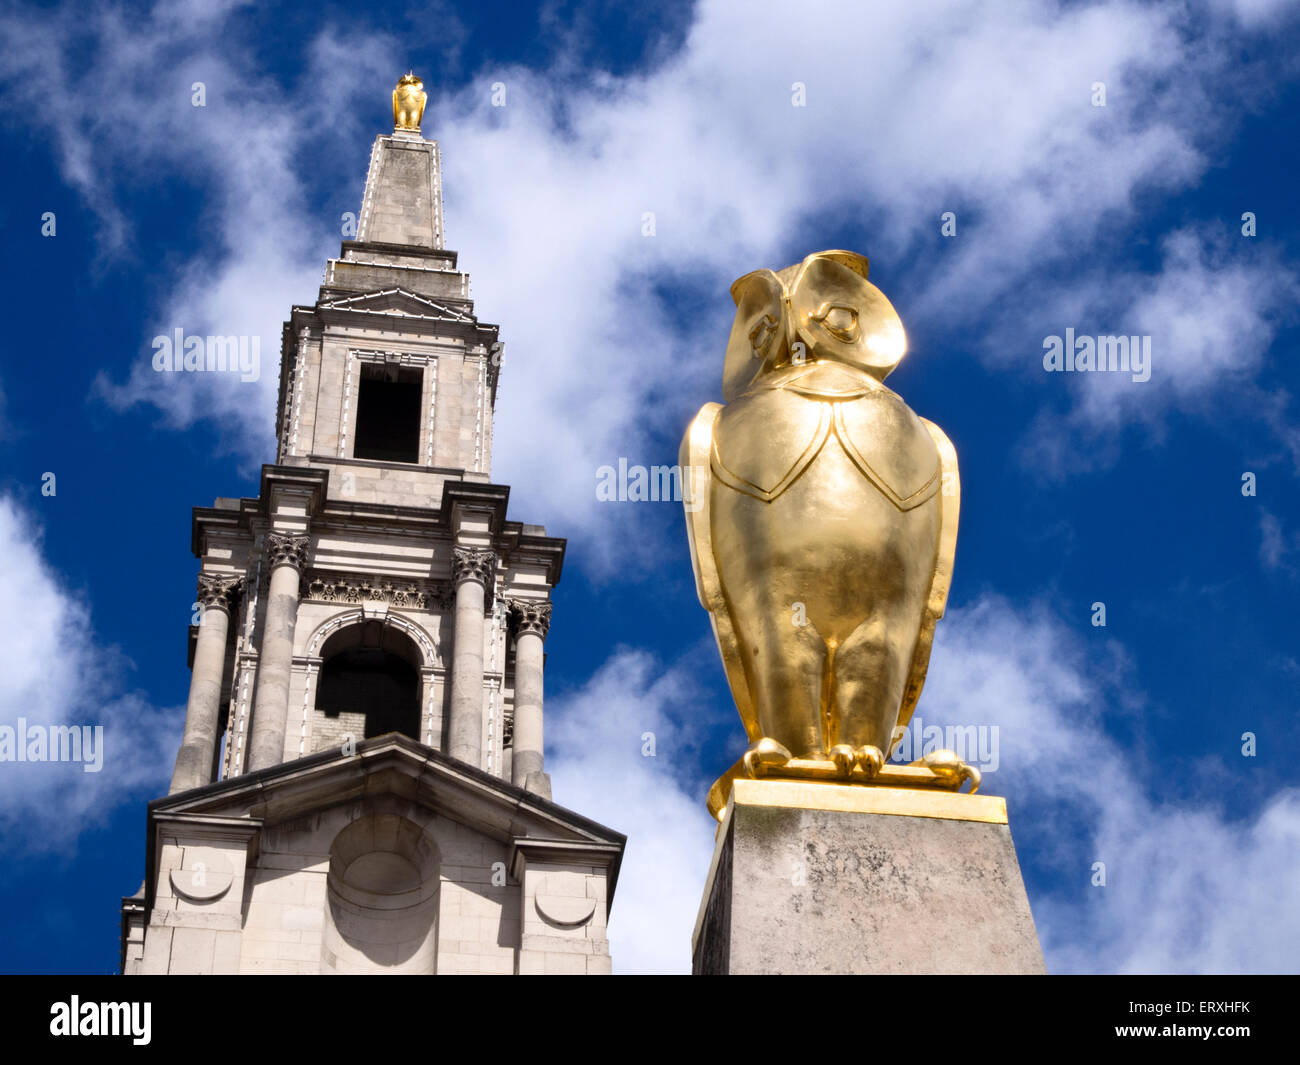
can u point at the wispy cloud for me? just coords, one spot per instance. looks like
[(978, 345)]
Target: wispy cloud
[(1188, 888), (1277, 543), (1211, 312), (56, 673), (628, 757), (911, 110)]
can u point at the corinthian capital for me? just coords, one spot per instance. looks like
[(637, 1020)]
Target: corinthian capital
[(218, 590), (530, 616), (470, 565), (286, 549)]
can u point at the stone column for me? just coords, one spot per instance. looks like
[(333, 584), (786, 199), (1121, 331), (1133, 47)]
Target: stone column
[(472, 572), (286, 554), (216, 597), (532, 621)]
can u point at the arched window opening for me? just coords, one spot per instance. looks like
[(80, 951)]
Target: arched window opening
[(369, 684)]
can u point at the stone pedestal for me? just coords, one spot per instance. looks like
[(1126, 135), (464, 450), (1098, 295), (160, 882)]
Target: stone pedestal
[(824, 878)]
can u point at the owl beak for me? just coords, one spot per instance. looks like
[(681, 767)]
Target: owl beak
[(791, 331)]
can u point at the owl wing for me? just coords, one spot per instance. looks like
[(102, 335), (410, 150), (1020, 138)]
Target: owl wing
[(697, 480), (949, 506)]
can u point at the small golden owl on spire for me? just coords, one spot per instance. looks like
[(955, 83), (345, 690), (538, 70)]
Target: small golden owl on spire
[(409, 99)]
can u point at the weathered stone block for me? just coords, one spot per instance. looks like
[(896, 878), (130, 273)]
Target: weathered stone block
[(891, 881)]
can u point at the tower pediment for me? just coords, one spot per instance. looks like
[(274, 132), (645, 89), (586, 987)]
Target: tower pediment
[(398, 302), (393, 765), (389, 857)]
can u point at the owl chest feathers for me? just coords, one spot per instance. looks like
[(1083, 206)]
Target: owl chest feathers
[(769, 438)]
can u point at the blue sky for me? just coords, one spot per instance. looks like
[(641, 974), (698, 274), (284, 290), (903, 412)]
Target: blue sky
[(1120, 744)]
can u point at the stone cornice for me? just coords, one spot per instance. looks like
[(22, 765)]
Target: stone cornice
[(475, 497), (466, 331), (515, 546), (208, 520), (471, 796), (381, 248), (309, 482), (523, 549)]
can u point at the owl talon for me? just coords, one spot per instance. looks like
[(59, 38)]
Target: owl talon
[(870, 758), (765, 754), (844, 758), (951, 770)]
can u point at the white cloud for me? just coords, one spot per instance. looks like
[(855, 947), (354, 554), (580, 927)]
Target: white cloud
[(1254, 12), (1212, 312), (1276, 543), (912, 110), (600, 732), (56, 674), (1189, 889)]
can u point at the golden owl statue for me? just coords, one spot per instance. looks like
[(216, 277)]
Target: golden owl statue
[(822, 518), (409, 99)]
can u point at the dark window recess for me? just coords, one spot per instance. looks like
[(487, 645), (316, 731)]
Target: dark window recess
[(376, 683), (388, 413)]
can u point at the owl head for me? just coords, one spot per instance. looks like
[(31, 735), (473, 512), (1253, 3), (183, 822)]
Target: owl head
[(827, 305)]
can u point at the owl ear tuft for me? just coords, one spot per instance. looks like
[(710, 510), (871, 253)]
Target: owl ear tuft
[(741, 283), (855, 262)]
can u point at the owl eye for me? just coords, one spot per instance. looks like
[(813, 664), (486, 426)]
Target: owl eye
[(761, 334), (840, 321)]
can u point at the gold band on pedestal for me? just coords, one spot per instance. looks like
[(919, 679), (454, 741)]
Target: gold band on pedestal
[(903, 802)]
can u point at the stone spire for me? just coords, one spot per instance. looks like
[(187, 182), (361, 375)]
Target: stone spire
[(403, 201), (364, 734), (389, 381)]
